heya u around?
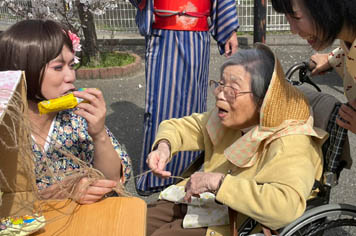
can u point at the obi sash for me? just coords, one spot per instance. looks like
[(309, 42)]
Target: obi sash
[(188, 15)]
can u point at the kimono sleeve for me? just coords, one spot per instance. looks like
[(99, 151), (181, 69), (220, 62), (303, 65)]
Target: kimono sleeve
[(224, 21)]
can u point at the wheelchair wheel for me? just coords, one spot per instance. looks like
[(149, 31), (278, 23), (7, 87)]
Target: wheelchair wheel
[(327, 220)]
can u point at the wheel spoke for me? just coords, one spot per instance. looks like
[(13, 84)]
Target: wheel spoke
[(325, 220), (329, 227)]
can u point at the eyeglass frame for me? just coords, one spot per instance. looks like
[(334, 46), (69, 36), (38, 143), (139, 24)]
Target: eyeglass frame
[(218, 84)]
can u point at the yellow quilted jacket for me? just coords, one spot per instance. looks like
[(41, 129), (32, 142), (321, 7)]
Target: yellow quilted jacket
[(273, 191)]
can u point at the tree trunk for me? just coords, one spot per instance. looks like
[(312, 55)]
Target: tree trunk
[(90, 46)]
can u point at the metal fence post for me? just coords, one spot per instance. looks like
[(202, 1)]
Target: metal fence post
[(259, 21)]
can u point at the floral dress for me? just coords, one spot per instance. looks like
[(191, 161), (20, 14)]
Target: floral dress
[(69, 132)]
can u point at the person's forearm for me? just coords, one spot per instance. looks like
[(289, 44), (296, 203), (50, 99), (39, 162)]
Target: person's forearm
[(60, 190), (54, 192), (106, 159)]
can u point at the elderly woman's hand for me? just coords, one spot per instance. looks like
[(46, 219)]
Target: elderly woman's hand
[(201, 182), (158, 159), (348, 114)]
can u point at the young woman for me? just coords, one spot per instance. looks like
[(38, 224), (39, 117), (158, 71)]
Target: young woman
[(320, 22), (45, 50)]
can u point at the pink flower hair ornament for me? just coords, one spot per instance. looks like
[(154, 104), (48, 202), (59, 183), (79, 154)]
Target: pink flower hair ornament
[(77, 47)]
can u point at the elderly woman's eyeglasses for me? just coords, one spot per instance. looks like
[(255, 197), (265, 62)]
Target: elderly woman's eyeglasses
[(230, 93)]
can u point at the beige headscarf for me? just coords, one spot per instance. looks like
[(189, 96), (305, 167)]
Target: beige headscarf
[(284, 111)]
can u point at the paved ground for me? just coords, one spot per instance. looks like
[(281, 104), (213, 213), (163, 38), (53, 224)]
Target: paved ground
[(125, 104)]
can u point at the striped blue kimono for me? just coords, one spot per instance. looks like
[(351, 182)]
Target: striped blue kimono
[(177, 71)]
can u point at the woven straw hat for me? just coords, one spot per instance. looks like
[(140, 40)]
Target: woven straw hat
[(282, 101)]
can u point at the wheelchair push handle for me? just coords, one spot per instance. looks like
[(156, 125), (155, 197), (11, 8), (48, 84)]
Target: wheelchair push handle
[(305, 69)]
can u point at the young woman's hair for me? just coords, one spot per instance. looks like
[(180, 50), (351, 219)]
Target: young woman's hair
[(329, 16), (259, 63), (30, 45)]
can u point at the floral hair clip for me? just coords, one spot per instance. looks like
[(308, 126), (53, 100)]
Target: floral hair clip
[(77, 47)]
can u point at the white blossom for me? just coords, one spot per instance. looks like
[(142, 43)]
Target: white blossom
[(61, 10)]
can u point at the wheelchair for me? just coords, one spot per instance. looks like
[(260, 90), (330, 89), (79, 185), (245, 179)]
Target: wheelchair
[(320, 217)]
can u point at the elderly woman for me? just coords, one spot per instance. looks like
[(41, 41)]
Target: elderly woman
[(262, 154)]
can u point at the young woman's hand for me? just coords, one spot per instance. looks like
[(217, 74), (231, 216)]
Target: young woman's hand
[(94, 111), (201, 182), (84, 192), (231, 45), (321, 63), (88, 194), (158, 159), (348, 114)]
